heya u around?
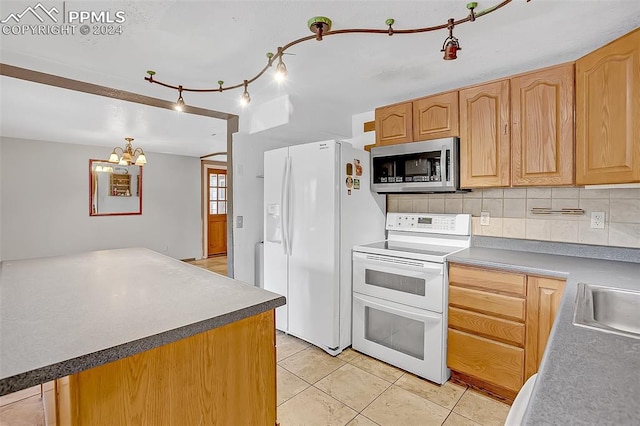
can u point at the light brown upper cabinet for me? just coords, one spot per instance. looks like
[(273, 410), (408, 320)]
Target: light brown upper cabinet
[(542, 127), (436, 117), (394, 124), (485, 151), (608, 113)]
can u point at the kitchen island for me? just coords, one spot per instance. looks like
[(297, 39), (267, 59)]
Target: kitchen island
[(586, 376), (134, 337)]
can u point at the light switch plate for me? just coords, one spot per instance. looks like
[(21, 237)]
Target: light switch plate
[(597, 220), (485, 218), (239, 221)]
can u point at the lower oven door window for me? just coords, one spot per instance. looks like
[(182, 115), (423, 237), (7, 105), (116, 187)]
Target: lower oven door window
[(409, 282), (406, 337)]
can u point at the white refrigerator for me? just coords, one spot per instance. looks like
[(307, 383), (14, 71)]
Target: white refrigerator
[(317, 206)]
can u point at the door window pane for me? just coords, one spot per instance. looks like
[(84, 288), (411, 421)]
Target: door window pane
[(223, 180), (222, 207), (213, 207), (213, 180), (222, 194), (213, 194)]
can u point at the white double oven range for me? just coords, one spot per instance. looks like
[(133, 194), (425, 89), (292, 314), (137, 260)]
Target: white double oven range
[(400, 291)]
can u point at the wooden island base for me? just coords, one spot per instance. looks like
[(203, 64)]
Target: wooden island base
[(224, 376)]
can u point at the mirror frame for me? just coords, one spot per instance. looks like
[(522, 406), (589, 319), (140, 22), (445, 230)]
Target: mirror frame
[(91, 183)]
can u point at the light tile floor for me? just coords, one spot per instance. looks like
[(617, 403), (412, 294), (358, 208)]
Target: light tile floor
[(22, 408), (353, 389)]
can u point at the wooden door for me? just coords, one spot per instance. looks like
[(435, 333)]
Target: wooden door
[(393, 124), (485, 152), (542, 127), (608, 113), (217, 221), (543, 301), (436, 117)]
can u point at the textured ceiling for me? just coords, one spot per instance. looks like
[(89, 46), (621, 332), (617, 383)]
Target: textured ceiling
[(197, 43)]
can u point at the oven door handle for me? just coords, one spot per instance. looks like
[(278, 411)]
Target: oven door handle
[(418, 315), (396, 261)]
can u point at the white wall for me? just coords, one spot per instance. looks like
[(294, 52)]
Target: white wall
[(45, 203), (358, 137), (248, 199), (1, 200)]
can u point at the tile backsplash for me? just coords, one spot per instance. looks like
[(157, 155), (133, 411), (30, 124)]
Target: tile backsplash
[(511, 217)]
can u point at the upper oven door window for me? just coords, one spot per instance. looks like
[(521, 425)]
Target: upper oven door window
[(410, 282)]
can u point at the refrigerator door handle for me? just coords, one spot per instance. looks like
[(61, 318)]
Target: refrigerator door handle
[(287, 208), (283, 208)]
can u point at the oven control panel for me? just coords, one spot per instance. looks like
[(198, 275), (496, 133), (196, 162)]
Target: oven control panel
[(453, 224)]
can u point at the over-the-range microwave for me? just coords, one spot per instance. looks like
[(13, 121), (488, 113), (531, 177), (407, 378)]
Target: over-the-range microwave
[(429, 166)]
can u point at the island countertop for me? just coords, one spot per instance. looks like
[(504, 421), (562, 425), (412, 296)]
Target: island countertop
[(65, 314), (586, 376)]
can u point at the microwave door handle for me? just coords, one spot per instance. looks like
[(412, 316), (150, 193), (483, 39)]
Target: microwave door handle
[(443, 165)]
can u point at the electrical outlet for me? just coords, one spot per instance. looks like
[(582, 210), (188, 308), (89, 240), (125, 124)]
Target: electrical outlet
[(597, 220), (239, 221), (485, 218)]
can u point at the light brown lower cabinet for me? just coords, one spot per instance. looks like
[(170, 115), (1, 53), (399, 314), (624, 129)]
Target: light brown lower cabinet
[(499, 323), (226, 375)]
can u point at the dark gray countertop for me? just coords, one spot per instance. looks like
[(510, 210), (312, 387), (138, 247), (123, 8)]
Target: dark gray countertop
[(61, 315), (586, 376)]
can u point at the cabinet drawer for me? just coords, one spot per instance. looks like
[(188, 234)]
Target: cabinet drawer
[(501, 282), (502, 329), (494, 362), (509, 307)]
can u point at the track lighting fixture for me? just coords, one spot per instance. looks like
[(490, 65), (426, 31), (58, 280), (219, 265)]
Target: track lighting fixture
[(281, 68), (245, 98), (451, 45), (179, 106), (321, 27)]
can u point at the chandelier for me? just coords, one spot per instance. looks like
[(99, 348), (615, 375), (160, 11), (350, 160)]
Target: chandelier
[(321, 27), (128, 152)]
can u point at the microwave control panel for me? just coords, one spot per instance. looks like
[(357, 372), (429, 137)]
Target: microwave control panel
[(455, 224)]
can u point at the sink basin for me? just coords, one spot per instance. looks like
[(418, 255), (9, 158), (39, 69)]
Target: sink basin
[(608, 309)]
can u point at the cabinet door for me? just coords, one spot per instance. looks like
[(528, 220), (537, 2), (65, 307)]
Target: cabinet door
[(542, 127), (543, 300), (393, 124), (608, 113), (485, 153), (436, 117)]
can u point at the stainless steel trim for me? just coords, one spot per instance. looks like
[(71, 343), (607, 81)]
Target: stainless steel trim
[(436, 145)]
